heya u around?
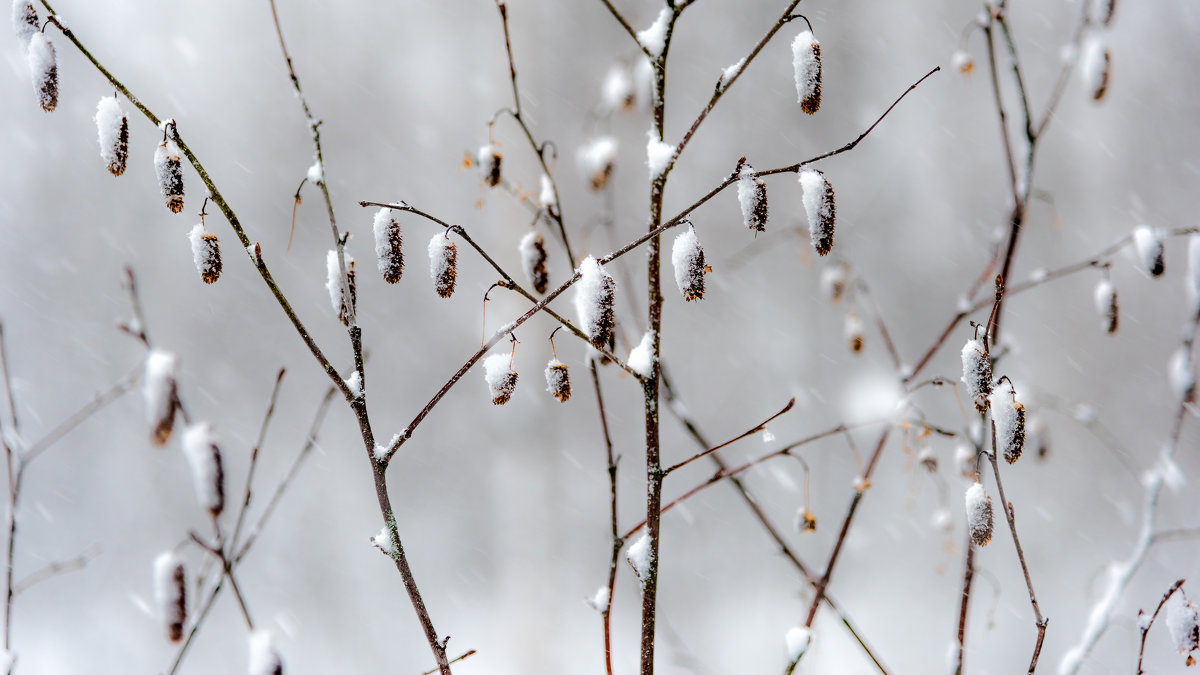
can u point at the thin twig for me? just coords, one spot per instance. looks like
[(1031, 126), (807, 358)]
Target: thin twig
[(757, 428), (262, 434), (617, 540), (1145, 629), (55, 569)]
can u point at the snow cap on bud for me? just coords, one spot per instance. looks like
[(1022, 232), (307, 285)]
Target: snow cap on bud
[(1182, 374), (642, 357), (489, 165), (264, 660), (170, 593), (1097, 67), (977, 372), (687, 256), (596, 160), (805, 520), (205, 253), (1149, 249), (25, 20), (43, 68), (169, 169), (344, 306), (1106, 304), (752, 197), (834, 281), (388, 241), (1009, 417), (557, 381), (501, 378), (639, 557), (594, 296), (797, 640), (208, 475), (443, 263), (533, 261), (963, 62), (979, 515), (1183, 623), (112, 130), (820, 208), (806, 62), (853, 331), (159, 389)]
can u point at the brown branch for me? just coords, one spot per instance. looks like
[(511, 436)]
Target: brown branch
[(262, 434), (759, 427), (1145, 629), (625, 25), (617, 540)]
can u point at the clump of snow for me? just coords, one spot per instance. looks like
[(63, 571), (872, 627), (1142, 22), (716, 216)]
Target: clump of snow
[(979, 514), (1009, 417), (797, 641), (206, 254), (204, 458), (731, 72), (752, 198), (617, 92), (316, 172), (594, 296), (501, 378), (687, 257), (112, 130), (170, 593), (806, 64), (1105, 297), (355, 385), (547, 197), (1096, 66), (1149, 247), (599, 601), (159, 389), (388, 246), (596, 160), (820, 209), (639, 556), (658, 155), (654, 38), (942, 520), (767, 436), (642, 357), (1182, 374), (383, 541), (43, 68), (342, 306), (977, 373), (380, 451), (1183, 623), (643, 82), (264, 660), (533, 261), (25, 20)]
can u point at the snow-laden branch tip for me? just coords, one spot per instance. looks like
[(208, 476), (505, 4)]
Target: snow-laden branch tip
[(264, 660), (654, 37)]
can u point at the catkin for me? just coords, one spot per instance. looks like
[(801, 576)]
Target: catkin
[(43, 68), (169, 168), (489, 165), (820, 208), (112, 130), (979, 515), (388, 241), (557, 380), (443, 259), (594, 297), (533, 261), (206, 253), (170, 594), (687, 256), (752, 197), (977, 373), (806, 61)]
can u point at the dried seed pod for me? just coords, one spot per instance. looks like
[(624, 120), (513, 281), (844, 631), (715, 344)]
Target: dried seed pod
[(1106, 303), (594, 296), (533, 261), (208, 475), (687, 256), (169, 168), (25, 20), (388, 242), (1009, 417), (343, 305), (170, 593), (489, 165), (596, 160), (805, 520), (853, 331), (264, 660), (806, 62), (1183, 623), (501, 378), (443, 260), (547, 197), (977, 373), (834, 280), (205, 253), (820, 208), (112, 129), (43, 68), (979, 515), (557, 381), (963, 62), (752, 197), (1149, 247), (1096, 67), (160, 387)]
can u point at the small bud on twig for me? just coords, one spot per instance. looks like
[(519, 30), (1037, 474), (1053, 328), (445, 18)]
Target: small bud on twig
[(834, 281), (443, 260), (388, 241), (963, 62), (594, 296), (805, 520), (112, 130), (206, 253), (533, 261), (979, 514), (208, 475), (806, 62), (687, 256), (159, 389), (170, 593), (820, 208), (752, 197), (43, 68), (169, 169)]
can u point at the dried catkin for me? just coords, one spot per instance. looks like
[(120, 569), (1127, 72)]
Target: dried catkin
[(501, 378), (853, 331), (687, 257), (1106, 304), (533, 261), (820, 209), (489, 165), (43, 68), (388, 242), (594, 297), (206, 253), (25, 20), (443, 259), (752, 197), (112, 130), (1149, 247), (1009, 417), (169, 169), (596, 160), (342, 305), (979, 515), (805, 521), (1096, 67), (160, 387), (170, 593), (557, 380), (977, 373), (208, 475), (806, 62)]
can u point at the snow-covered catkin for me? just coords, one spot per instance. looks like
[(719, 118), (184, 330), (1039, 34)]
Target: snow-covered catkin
[(618, 93), (1096, 67), (1105, 298), (596, 160), (548, 197), (264, 660), (853, 331), (1183, 623), (533, 261), (979, 514), (112, 130), (1182, 374), (501, 378), (687, 256), (25, 20), (820, 208), (206, 253), (43, 68), (388, 242), (806, 62), (344, 306), (170, 593), (594, 296), (443, 260), (805, 520), (752, 197), (1149, 249), (160, 389), (1009, 416), (208, 473), (557, 380), (834, 280), (169, 169), (977, 373), (489, 165)]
